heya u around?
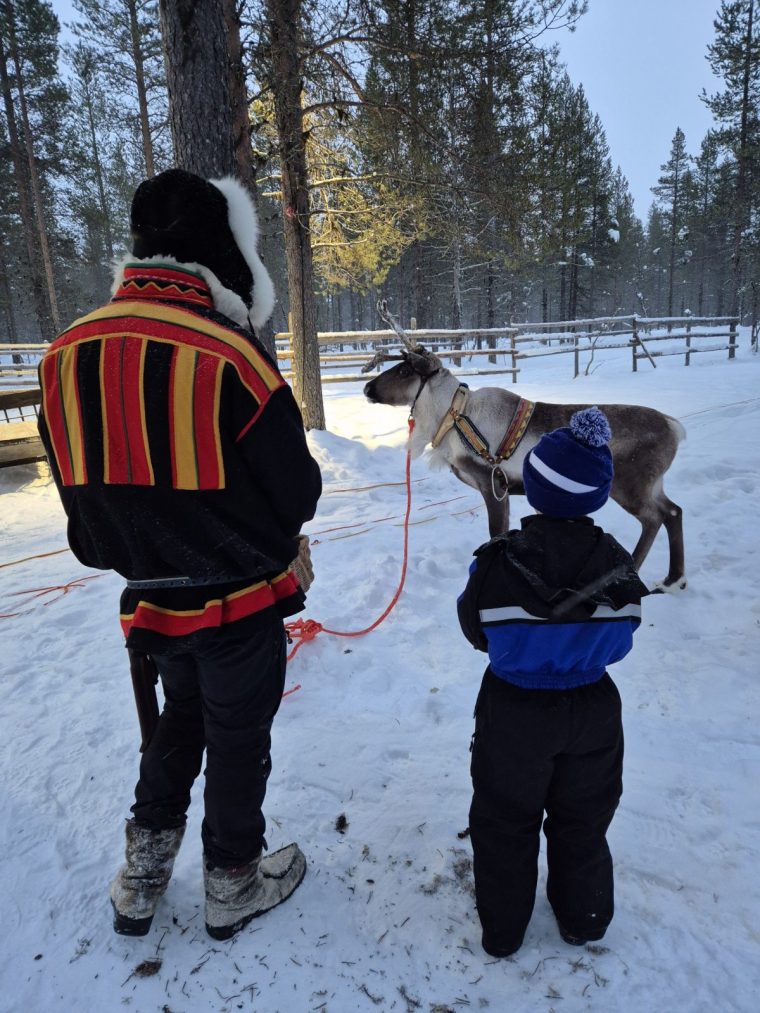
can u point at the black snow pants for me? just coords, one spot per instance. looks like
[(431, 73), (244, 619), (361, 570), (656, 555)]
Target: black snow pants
[(544, 750), (220, 694)]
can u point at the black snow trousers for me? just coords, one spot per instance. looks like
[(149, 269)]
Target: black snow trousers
[(536, 751), (221, 693)]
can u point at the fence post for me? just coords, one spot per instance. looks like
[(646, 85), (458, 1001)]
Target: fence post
[(687, 360), (290, 340), (634, 342), (513, 353), (732, 338), (576, 356)]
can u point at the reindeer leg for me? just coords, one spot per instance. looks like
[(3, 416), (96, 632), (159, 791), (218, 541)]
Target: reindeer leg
[(673, 522), (479, 478), (498, 514), (497, 509), (650, 525), (663, 511)]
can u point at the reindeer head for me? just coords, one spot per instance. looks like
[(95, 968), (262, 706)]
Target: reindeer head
[(400, 384)]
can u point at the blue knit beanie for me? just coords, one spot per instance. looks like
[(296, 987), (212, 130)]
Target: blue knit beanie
[(569, 471)]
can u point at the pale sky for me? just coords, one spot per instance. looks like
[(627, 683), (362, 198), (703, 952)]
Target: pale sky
[(643, 65)]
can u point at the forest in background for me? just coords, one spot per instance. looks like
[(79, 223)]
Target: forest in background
[(453, 167)]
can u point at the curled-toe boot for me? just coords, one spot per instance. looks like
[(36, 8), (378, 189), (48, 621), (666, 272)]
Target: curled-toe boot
[(141, 882), (234, 897)]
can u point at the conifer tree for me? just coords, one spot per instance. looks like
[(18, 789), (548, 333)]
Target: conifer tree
[(671, 192), (735, 57), (701, 220), (125, 35), (34, 100)]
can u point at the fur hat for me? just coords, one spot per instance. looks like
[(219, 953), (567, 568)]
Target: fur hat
[(212, 226), (569, 471)]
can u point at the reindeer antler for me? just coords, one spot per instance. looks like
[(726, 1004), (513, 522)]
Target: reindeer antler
[(377, 358), (385, 314)]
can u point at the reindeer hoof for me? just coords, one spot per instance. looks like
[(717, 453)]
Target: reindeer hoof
[(663, 587)]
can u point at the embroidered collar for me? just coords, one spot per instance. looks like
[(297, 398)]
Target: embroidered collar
[(164, 282), (455, 418)]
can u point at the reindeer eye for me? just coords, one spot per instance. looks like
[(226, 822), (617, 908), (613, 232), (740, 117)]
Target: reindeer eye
[(405, 369)]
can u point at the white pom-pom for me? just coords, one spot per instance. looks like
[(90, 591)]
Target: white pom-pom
[(590, 426)]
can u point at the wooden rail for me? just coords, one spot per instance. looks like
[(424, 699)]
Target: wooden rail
[(20, 442), (574, 337)]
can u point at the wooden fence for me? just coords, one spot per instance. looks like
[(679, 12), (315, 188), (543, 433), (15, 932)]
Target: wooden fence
[(566, 337), (18, 362), (19, 440)]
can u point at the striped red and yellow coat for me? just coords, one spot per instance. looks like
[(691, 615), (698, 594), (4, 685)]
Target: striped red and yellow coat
[(178, 450)]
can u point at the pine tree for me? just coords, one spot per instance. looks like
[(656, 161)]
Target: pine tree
[(34, 101), (671, 192), (701, 220), (126, 36), (88, 137), (735, 57)]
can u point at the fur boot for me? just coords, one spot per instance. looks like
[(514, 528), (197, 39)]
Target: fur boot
[(234, 897), (140, 884)]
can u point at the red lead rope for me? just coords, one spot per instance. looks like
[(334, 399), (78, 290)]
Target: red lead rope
[(303, 630)]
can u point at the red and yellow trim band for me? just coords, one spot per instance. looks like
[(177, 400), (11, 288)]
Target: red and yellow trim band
[(178, 327), (63, 414), (214, 612)]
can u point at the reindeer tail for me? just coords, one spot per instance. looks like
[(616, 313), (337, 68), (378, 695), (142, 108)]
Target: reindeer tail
[(677, 429)]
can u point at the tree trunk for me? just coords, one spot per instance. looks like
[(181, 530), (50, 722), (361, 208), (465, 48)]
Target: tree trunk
[(572, 306), (456, 300), (99, 176), (36, 280), (142, 94), (241, 123), (34, 179), (418, 286), (7, 298), (673, 234), (245, 168), (401, 291), (208, 109), (742, 158), (490, 307), (198, 81), (284, 20)]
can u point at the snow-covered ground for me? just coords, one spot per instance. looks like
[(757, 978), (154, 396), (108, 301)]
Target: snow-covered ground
[(379, 732)]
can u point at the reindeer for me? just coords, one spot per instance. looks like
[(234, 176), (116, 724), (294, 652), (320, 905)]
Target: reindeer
[(465, 426)]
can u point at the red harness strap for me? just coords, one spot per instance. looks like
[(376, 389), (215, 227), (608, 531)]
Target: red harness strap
[(516, 430)]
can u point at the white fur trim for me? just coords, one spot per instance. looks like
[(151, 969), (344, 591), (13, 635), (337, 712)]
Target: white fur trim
[(225, 300), (244, 223), (555, 478)]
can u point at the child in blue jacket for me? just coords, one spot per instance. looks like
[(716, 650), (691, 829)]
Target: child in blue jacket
[(554, 604)]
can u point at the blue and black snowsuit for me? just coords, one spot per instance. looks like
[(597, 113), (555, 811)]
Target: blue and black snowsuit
[(553, 604)]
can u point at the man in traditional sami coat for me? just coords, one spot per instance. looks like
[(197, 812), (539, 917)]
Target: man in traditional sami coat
[(180, 457)]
